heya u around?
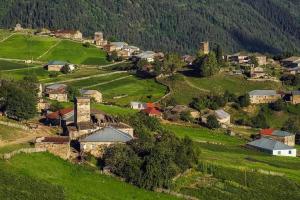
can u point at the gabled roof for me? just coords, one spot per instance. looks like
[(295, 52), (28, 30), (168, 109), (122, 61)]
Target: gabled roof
[(65, 113), (152, 111), (221, 114), (56, 86), (57, 62), (263, 93), (89, 92), (268, 131), (108, 134), (291, 59), (269, 144)]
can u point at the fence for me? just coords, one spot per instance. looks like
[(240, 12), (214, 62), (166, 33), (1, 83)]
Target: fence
[(7, 156)]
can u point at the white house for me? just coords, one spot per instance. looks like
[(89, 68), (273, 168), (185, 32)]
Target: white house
[(147, 55), (273, 147), (138, 105)]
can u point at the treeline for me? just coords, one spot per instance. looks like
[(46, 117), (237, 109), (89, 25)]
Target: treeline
[(171, 25)]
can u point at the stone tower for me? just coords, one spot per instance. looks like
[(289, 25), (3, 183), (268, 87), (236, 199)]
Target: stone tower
[(98, 38), (82, 110), (204, 47)]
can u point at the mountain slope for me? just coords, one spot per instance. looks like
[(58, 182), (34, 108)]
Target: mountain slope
[(171, 25)]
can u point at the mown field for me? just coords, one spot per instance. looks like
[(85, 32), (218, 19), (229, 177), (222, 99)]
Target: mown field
[(235, 84), (4, 34), (74, 52), (47, 173), (7, 65), (25, 47)]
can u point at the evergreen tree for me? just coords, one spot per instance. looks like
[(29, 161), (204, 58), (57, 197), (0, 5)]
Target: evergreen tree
[(209, 66)]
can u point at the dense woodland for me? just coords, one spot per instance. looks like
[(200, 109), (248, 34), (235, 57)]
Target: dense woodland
[(268, 26)]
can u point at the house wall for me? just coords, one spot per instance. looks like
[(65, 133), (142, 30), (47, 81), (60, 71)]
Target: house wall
[(296, 99), (54, 68), (61, 150), (262, 60), (97, 96), (291, 153), (58, 97), (82, 110), (288, 140), (264, 99), (95, 148)]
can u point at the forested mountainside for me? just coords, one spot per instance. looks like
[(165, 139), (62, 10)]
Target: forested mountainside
[(171, 25)]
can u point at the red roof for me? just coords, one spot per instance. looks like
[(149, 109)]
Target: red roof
[(150, 105), (62, 112), (152, 111), (266, 131)]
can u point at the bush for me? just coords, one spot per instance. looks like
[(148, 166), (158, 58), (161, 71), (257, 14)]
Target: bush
[(54, 74), (212, 122), (279, 105)]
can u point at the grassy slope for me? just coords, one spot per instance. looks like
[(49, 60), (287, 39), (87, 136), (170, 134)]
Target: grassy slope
[(137, 90), (78, 182), (6, 65), (4, 33), (76, 53), (235, 84), (25, 47)]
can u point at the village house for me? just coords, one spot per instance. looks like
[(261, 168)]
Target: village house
[(68, 34), (272, 147), (56, 65), (96, 142), (119, 45), (124, 54), (18, 28), (42, 104), (138, 105), (261, 59), (295, 97), (244, 58), (153, 112), (99, 39), (291, 62), (149, 56), (59, 146), (281, 136), (189, 60), (263, 96), (173, 113), (110, 48), (57, 92), (131, 49), (95, 95), (62, 117), (223, 117), (257, 72)]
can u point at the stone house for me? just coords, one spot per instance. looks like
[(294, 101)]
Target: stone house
[(18, 28), (261, 60), (96, 142), (56, 65), (59, 146), (119, 45), (62, 117), (99, 39), (57, 92), (257, 72), (153, 112), (43, 105), (281, 136), (223, 117), (149, 56), (93, 94), (263, 96), (173, 113), (273, 147), (295, 97), (291, 62), (68, 34), (204, 47)]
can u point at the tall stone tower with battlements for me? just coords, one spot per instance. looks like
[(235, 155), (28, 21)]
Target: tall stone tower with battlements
[(82, 110)]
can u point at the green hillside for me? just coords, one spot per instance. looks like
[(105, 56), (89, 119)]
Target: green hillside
[(254, 25)]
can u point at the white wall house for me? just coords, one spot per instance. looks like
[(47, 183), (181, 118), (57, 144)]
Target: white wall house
[(138, 105), (273, 147)]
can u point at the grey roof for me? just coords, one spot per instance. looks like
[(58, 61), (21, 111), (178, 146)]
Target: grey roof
[(269, 144), (89, 92), (56, 86), (119, 44), (263, 93), (221, 114), (108, 134), (291, 59), (146, 54), (57, 62), (281, 133)]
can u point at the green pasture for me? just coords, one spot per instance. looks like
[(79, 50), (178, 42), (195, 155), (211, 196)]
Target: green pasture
[(8, 65), (137, 90), (9, 133), (25, 47), (235, 84), (77, 182), (40, 72), (76, 53), (4, 34), (114, 110)]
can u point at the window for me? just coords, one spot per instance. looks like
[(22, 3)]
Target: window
[(290, 152), (279, 152)]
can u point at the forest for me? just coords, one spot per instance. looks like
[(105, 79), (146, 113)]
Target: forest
[(268, 26)]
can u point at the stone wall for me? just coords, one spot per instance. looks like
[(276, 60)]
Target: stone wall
[(7, 156), (61, 150), (15, 125)]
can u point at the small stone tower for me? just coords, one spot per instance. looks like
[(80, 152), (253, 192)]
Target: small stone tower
[(204, 47), (82, 110), (98, 38)]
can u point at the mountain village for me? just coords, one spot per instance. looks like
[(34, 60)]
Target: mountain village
[(76, 126)]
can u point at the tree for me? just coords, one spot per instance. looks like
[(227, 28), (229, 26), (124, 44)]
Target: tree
[(244, 100), (254, 61), (113, 56), (291, 125), (209, 66), (86, 45), (73, 92), (219, 54), (172, 63), (186, 116), (260, 121), (212, 122), (55, 106), (279, 105), (65, 69)]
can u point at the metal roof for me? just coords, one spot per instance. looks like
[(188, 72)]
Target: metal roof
[(221, 114), (281, 133), (57, 62), (269, 144), (89, 92), (56, 86), (263, 93), (108, 134)]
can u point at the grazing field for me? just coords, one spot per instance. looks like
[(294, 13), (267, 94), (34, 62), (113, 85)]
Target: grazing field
[(9, 133), (4, 34), (75, 53), (133, 89), (235, 84), (114, 110), (25, 47), (7, 65), (77, 182), (40, 72)]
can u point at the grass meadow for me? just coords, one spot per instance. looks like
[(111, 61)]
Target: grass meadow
[(8, 65), (76, 182), (74, 52)]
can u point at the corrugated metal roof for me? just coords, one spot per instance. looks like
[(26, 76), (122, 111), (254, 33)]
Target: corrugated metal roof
[(269, 144), (221, 114), (57, 62), (263, 93), (108, 134)]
